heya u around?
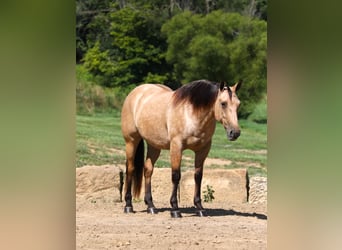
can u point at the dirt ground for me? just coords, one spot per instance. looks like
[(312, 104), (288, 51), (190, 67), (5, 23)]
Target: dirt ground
[(102, 224)]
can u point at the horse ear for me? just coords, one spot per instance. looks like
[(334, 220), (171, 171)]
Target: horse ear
[(237, 86), (222, 85), (229, 92)]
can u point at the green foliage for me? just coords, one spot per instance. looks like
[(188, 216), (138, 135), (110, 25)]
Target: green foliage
[(253, 9), (91, 98), (179, 31), (124, 43), (261, 9), (220, 47), (99, 64), (209, 194), (135, 53), (91, 25), (155, 78), (82, 75), (208, 49), (259, 114)]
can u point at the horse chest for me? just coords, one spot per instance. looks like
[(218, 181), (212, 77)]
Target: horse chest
[(196, 136), (195, 131), (192, 141)]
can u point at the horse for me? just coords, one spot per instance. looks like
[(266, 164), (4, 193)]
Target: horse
[(175, 121)]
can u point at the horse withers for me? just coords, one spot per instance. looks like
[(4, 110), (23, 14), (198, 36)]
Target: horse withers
[(174, 120)]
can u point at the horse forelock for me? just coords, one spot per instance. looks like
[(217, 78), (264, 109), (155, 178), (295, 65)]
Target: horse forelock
[(201, 94)]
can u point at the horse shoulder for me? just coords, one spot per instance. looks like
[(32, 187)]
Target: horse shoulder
[(192, 129)]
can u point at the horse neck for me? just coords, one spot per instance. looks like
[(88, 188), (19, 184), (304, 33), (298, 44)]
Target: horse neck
[(206, 116)]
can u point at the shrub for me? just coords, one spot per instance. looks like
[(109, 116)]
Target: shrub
[(91, 97), (259, 114), (209, 194)]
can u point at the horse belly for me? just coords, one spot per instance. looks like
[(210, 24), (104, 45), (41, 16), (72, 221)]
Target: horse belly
[(158, 143), (155, 134)]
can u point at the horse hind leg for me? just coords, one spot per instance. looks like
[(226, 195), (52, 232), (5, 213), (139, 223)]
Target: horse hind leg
[(134, 152), (151, 158)]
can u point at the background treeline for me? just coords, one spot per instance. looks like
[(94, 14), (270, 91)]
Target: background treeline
[(123, 43)]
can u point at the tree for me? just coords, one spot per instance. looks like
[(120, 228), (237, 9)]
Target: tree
[(219, 46), (124, 43), (91, 24), (136, 51)]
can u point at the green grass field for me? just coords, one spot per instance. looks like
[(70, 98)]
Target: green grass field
[(99, 141)]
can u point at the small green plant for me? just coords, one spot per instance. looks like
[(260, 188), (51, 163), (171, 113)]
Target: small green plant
[(209, 194)]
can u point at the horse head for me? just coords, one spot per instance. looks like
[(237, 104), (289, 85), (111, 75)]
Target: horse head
[(226, 107)]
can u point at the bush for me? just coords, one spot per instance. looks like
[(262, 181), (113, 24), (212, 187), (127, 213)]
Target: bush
[(91, 97), (259, 114), (84, 103), (209, 194)]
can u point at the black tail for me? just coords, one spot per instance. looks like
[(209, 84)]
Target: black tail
[(138, 169)]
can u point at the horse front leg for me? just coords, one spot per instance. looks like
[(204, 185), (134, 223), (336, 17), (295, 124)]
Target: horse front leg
[(199, 161), (176, 158), (152, 156)]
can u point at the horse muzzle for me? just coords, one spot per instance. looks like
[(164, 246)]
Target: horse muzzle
[(233, 134)]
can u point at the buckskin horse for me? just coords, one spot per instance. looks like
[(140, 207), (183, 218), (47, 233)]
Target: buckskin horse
[(174, 120)]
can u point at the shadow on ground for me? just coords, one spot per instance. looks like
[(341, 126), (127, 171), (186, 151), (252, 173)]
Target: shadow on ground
[(215, 212)]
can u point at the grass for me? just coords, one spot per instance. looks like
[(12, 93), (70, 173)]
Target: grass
[(249, 147), (98, 138), (99, 141)]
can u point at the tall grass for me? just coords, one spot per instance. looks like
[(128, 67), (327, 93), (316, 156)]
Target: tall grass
[(92, 98), (259, 114)]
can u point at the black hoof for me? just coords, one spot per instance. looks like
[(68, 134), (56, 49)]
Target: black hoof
[(128, 210), (152, 210), (176, 214), (201, 213)]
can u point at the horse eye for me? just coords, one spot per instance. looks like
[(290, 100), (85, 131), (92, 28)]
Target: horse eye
[(224, 104)]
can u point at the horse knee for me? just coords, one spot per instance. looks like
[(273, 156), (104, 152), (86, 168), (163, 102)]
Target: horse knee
[(198, 176), (148, 170), (129, 166)]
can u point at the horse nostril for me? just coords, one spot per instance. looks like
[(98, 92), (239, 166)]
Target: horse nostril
[(233, 134)]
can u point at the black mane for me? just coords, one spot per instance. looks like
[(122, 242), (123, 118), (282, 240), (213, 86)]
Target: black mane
[(200, 94)]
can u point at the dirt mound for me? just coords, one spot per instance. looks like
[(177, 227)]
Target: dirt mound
[(99, 182), (228, 185), (91, 179)]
